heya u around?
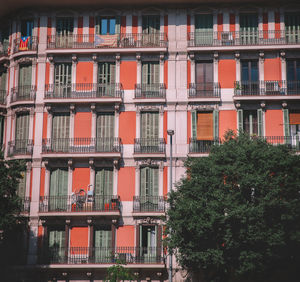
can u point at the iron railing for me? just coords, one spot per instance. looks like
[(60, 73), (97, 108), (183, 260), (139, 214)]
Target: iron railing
[(3, 94), (293, 142), (29, 43), (204, 90), (242, 38), (149, 204), (83, 90), (150, 91), (99, 255), (20, 147), (149, 145), (82, 145), (79, 203), (201, 146), (23, 93), (123, 40), (25, 204), (4, 48)]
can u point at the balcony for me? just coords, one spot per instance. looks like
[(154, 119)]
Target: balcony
[(274, 89), (20, 147), (88, 91), (82, 203), (3, 95), (293, 142), (29, 43), (151, 92), (242, 38), (209, 91), (154, 147), (149, 204), (85, 147), (25, 204), (24, 93), (201, 146), (102, 255), (123, 41)]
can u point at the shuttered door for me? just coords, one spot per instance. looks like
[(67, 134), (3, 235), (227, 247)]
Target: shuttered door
[(240, 120), (22, 132), (21, 191), (204, 79), (151, 29), (148, 243), (60, 132), (260, 123), (24, 85), (57, 246), (103, 243), (205, 128), (149, 131), (105, 132), (106, 79), (150, 79), (103, 188), (64, 32), (58, 189), (62, 79), (204, 29), (292, 27), (248, 29), (3, 77)]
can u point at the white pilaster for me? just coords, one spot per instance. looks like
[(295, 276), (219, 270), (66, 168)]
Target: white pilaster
[(137, 180), (216, 67), (72, 120), (70, 176), (47, 180)]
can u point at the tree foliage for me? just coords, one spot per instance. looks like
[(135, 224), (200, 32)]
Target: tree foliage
[(236, 215), (118, 272)]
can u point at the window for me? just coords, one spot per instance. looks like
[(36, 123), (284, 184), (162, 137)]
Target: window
[(293, 76), (150, 243), (27, 27), (107, 25), (103, 244), (60, 132), (149, 182), (250, 77), (22, 130), (106, 79), (105, 132), (64, 26), (291, 120), (4, 39), (203, 29), (251, 122), (58, 189), (248, 29), (3, 78), (151, 24), (292, 27), (63, 79), (24, 83), (204, 78), (56, 245), (149, 125), (103, 188), (150, 73)]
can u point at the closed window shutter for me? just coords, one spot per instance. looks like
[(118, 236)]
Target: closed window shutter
[(22, 127), (240, 120), (60, 126), (155, 78), (25, 72), (59, 182), (21, 192), (57, 241), (102, 241), (144, 181), (205, 130), (194, 124), (154, 176), (216, 124), (104, 182), (145, 73), (3, 77), (112, 73), (286, 122), (149, 125), (105, 125), (260, 122)]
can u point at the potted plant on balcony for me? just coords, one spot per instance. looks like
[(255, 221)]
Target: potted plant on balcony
[(238, 89)]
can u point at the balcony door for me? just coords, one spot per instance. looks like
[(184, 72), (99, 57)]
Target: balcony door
[(3, 78), (250, 77), (58, 192), (103, 244), (148, 243), (293, 76), (248, 29), (204, 79), (203, 29), (21, 133), (64, 32), (151, 30), (27, 28), (103, 189), (292, 27), (56, 246), (251, 122), (105, 131), (150, 79), (106, 79), (60, 132), (24, 82), (149, 131), (149, 179), (63, 80)]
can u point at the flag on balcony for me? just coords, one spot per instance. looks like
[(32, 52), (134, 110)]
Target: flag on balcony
[(109, 40), (24, 43)]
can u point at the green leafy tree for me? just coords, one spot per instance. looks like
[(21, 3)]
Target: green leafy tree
[(118, 273), (235, 216)]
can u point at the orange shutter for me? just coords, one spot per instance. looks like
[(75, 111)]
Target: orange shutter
[(205, 126), (294, 118)]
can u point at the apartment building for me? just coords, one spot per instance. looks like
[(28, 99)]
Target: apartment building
[(87, 95)]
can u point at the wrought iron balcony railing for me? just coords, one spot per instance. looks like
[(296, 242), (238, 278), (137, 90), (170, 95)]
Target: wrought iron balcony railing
[(83, 91), (23, 93), (150, 91), (25, 204), (242, 38), (204, 90), (28, 43), (149, 145), (79, 203), (82, 145), (293, 142), (201, 146), (3, 95), (123, 40), (20, 147), (4, 48), (149, 204), (102, 255)]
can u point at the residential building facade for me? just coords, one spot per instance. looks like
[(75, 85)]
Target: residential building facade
[(87, 96)]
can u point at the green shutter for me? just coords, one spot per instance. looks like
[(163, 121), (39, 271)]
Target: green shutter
[(62, 79), (286, 122), (104, 182), (59, 182), (61, 126), (25, 72), (22, 127), (149, 125), (105, 125), (216, 124), (240, 120), (155, 66), (144, 176), (3, 77), (194, 124), (103, 243), (149, 181), (260, 123), (145, 73), (155, 181), (57, 245)]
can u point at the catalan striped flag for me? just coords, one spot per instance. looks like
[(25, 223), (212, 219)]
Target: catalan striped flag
[(24, 43)]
